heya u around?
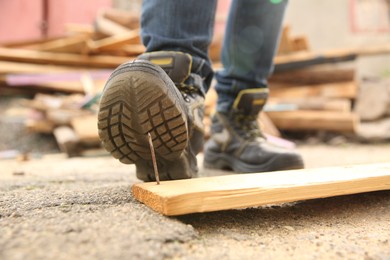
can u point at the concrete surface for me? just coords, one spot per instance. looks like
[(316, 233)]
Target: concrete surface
[(82, 208)]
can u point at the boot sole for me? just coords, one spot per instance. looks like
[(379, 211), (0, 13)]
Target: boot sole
[(277, 163), (139, 98)]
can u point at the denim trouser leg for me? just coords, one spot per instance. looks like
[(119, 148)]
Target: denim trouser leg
[(250, 42), (180, 25)]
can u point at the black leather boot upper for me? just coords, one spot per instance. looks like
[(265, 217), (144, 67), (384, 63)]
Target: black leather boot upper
[(179, 67), (237, 143)]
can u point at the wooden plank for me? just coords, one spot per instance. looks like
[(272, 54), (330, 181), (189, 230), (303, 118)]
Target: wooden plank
[(76, 28), (9, 67), (63, 116), (373, 50), (67, 140), (69, 44), (86, 129), (108, 27), (373, 100), (133, 49), (31, 56), (375, 131), (37, 78), (315, 120), (330, 90), (39, 126), (23, 43), (52, 87), (298, 60), (68, 82), (61, 87), (313, 103), (249, 190), (304, 59), (300, 44), (319, 75), (114, 42), (123, 17), (285, 46)]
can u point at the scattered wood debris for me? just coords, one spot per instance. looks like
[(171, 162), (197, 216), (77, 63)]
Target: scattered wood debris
[(319, 97), (308, 91), (373, 107), (70, 118)]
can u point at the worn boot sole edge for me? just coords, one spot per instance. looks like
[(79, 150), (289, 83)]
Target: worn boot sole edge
[(127, 140), (167, 170), (224, 161)]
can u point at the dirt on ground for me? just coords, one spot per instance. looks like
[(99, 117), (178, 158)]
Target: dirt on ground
[(82, 208), (52, 207)]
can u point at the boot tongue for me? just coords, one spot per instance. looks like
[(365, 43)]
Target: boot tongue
[(176, 64), (251, 101)]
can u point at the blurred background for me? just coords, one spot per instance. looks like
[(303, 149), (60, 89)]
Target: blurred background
[(62, 196), (328, 24), (331, 81)]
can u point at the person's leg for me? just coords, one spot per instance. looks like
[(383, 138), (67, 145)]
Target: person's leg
[(249, 47), (180, 25), (162, 91)]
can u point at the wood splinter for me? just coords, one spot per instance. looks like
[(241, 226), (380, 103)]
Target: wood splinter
[(154, 159)]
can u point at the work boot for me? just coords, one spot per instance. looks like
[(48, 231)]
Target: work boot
[(237, 143), (156, 94)]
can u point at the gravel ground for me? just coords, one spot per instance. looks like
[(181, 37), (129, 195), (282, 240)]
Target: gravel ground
[(14, 136), (82, 208)]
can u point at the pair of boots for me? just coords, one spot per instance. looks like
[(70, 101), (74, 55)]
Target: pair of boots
[(158, 94)]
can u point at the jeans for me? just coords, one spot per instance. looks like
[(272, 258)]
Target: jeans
[(250, 41)]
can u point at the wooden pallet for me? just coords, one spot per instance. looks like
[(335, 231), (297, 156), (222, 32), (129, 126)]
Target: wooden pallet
[(249, 190)]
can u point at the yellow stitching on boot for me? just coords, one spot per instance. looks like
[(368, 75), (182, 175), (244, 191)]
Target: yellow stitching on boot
[(248, 91), (258, 102), (162, 61), (169, 61), (189, 67)]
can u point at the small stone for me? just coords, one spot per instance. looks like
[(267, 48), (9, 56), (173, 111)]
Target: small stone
[(15, 215), (64, 207), (289, 228), (18, 173)]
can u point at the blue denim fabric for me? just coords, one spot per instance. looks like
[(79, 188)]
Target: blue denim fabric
[(250, 41)]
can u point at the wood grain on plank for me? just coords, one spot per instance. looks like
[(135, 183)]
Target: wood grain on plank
[(31, 56), (249, 190), (345, 122)]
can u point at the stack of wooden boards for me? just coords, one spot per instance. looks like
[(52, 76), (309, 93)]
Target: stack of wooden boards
[(315, 98), (309, 91), (70, 118), (373, 107), (314, 93)]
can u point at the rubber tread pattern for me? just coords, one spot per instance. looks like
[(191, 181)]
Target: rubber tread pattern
[(137, 99)]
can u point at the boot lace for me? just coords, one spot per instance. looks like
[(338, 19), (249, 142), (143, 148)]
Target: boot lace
[(187, 90), (246, 126), (191, 87)]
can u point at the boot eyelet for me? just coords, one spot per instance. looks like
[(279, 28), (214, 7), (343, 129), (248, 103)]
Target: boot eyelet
[(185, 97)]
